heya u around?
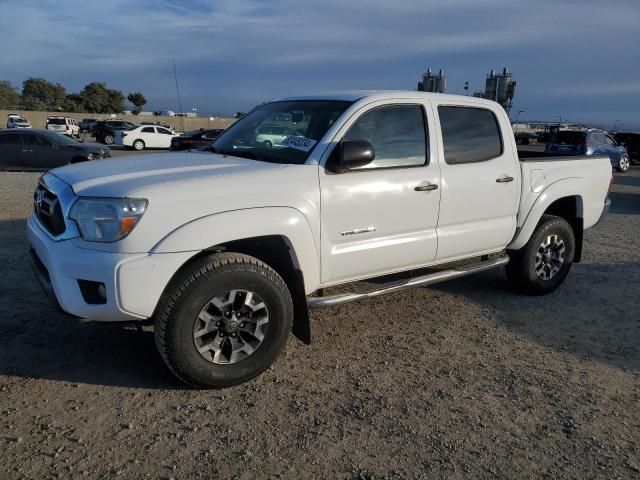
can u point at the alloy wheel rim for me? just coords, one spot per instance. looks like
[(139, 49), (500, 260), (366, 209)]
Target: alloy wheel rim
[(624, 164), (550, 257), (231, 327)]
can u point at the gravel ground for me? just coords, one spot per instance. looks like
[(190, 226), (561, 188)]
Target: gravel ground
[(466, 380)]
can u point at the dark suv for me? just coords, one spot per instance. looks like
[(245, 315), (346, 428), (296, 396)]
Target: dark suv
[(589, 142), (105, 131), (632, 143)]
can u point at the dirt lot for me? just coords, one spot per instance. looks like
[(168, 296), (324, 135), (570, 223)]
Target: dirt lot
[(466, 380)]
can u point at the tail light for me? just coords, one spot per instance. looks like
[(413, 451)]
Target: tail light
[(188, 142), (124, 134)]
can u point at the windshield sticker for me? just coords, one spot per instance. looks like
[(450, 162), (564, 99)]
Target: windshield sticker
[(299, 143)]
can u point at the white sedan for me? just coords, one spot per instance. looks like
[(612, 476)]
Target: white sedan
[(145, 136)]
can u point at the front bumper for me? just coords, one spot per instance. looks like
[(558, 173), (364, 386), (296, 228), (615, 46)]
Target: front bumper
[(133, 282)]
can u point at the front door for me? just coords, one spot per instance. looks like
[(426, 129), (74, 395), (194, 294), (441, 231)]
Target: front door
[(163, 139), (481, 181), (382, 217)]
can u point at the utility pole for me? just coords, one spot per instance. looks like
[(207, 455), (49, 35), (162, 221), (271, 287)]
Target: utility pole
[(175, 75)]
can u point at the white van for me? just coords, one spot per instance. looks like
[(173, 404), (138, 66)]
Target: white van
[(65, 125)]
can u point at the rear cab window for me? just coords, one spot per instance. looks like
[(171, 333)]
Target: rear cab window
[(469, 134)]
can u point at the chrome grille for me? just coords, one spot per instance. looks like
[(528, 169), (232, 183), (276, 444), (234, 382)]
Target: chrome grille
[(47, 209)]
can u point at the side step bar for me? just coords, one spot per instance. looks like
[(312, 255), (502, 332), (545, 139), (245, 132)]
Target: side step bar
[(430, 279)]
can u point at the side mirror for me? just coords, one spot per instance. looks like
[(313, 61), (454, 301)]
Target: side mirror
[(354, 154)]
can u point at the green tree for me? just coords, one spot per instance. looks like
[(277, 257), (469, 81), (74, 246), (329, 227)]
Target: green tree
[(9, 96), (138, 100), (73, 103), (39, 94), (97, 98)]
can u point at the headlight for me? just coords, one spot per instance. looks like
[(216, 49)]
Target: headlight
[(107, 219)]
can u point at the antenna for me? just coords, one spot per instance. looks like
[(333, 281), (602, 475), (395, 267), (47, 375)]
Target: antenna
[(175, 75)]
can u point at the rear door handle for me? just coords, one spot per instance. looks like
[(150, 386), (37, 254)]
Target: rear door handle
[(425, 187), (504, 179), (25, 151)]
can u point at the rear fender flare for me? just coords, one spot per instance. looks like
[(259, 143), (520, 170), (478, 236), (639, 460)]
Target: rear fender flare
[(568, 187)]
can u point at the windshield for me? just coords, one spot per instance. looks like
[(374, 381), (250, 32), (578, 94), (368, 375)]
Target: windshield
[(280, 132), (19, 119)]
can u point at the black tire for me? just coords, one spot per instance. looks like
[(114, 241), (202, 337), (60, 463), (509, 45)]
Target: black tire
[(108, 139), (192, 290), (521, 269), (138, 145)]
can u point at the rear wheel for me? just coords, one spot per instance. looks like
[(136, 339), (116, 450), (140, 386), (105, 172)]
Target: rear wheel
[(108, 139), (624, 164), (224, 321), (138, 145), (544, 262)]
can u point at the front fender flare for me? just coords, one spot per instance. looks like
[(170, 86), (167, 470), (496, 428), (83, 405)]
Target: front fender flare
[(568, 187), (205, 232)]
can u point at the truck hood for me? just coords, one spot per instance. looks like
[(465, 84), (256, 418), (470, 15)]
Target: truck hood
[(124, 176)]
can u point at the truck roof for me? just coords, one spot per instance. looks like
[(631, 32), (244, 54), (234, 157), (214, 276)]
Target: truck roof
[(373, 95)]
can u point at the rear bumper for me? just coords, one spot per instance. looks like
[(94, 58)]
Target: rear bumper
[(605, 210)]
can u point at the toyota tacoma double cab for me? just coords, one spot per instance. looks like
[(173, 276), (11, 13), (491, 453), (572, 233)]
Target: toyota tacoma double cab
[(224, 250)]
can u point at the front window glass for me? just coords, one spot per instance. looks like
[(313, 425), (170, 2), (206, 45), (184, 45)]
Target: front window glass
[(397, 134), (301, 124)]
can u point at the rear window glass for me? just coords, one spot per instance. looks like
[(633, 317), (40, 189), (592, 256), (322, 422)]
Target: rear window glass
[(469, 134), (56, 121), (568, 137)]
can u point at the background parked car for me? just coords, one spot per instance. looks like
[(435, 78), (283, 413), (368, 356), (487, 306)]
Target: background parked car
[(195, 139), (38, 149), (526, 138), (631, 141), (273, 135), (145, 136), (589, 142), (87, 125), (64, 125), (105, 131), (17, 121)]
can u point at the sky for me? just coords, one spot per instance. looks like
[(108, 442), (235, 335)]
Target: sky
[(578, 59)]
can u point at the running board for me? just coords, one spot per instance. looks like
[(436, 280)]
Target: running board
[(430, 279)]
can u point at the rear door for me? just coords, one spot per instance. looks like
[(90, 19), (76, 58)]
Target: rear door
[(148, 136), (480, 180), (163, 137), (10, 150)]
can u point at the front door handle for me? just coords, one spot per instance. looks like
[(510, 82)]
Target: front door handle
[(25, 151), (425, 187), (504, 179)]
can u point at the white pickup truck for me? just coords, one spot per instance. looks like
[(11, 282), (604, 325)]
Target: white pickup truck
[(224, 249)]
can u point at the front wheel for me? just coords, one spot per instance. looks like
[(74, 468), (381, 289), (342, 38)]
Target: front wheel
[(224, 321), (624, 164), (544, 262), (108, 139)]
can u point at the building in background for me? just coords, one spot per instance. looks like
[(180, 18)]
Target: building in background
[(433, 83)]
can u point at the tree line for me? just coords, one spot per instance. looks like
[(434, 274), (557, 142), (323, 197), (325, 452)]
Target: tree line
[(39, 94)]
